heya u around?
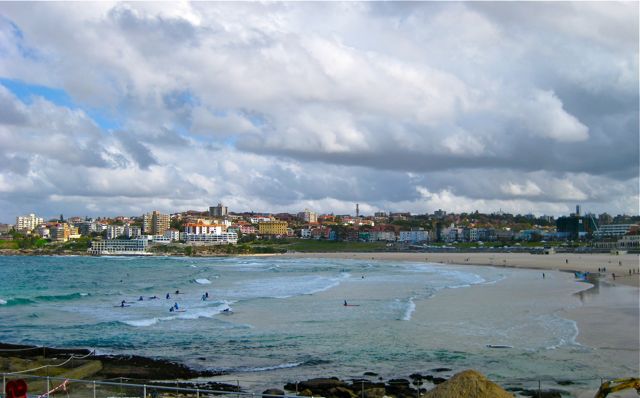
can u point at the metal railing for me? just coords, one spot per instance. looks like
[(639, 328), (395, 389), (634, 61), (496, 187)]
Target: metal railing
[(45, 386)]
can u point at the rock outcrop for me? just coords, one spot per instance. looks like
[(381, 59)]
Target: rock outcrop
[(468, 384)]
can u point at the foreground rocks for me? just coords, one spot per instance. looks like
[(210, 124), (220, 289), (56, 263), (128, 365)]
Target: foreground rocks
[(467, 384)]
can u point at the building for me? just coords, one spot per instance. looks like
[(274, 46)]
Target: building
[(132, 231), (155, 223), (389, 236), (202, 228), (60, 232), (172, 234), (115, 231), (119, 246), (575, 226), (28, 223), (629, 242), (414, 236), (613, 230), (218, 211), (308, 216), (225, 238), (272, 228)]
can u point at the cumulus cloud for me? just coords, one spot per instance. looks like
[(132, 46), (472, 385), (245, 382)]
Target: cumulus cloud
[(521, 106)]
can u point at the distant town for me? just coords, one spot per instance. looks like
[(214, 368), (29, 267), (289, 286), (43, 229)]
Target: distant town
[(220, 231)]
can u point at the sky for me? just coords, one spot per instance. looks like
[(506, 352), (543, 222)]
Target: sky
[(122, 108)]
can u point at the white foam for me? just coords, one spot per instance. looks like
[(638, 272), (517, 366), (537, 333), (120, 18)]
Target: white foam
[(142, 322), (3, 302), (274, 367), (208, 312), (203, 281), (411, 307)]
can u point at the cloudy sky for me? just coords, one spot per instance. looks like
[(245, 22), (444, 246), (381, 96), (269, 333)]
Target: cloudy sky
[(122, 108)]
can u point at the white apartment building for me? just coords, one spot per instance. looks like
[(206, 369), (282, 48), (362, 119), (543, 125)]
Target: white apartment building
[(114, 231), (172, 234), (257, 220), (119, 246), (29, 222), (211, 239), (612, 230), (305, 233), (201, 228), (414, 236), (132, 232)]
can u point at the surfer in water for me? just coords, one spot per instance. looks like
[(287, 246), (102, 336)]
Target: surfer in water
[(175, 305), (167, 296), (171, 309), (345, 303), (140, 299), (153, 297), (177, 291)]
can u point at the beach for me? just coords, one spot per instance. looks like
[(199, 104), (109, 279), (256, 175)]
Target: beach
[(569, 262), (409, 312)]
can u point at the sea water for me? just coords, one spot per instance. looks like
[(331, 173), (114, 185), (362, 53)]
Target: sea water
[(274, 319)]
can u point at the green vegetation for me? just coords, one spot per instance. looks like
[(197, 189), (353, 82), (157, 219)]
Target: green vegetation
[(331, 246), (8, 244)]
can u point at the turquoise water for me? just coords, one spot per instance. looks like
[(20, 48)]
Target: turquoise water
[(287, 321)]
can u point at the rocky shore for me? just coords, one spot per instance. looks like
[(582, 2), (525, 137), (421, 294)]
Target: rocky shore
[(438, 383)]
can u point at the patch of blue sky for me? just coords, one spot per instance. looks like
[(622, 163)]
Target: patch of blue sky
[(26, 93), (18, 39)]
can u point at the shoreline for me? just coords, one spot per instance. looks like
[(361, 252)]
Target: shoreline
[(596, 317), (565, 262)]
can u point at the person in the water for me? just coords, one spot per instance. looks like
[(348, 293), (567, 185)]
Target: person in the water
[(168, 296), (171, 309), (140, 299), (175, 305)]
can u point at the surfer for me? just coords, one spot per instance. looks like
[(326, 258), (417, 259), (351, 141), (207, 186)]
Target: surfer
[(154, 297), (177, 291), (206, 294), (175, 305), (171, 309), (345, 303), (140, 299), (204, 297), (122, 304), (168, 296)]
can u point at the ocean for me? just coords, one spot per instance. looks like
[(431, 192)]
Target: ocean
[(269, 320)]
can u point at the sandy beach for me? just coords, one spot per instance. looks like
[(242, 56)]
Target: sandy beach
[(614, 264)]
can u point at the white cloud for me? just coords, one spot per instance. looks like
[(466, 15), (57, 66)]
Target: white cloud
[(268, 106)]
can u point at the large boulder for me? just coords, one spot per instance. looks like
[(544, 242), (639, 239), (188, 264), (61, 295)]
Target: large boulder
[(468, 384)]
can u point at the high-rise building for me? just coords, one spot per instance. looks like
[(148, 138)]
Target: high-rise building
[(155, 223), (308, 216), (28, 223), (60, 232), (218, 211)]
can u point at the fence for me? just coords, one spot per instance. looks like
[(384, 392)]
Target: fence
[(44, 386)]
